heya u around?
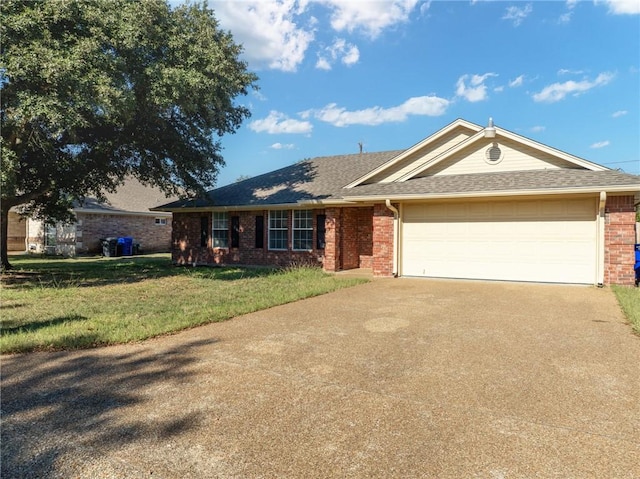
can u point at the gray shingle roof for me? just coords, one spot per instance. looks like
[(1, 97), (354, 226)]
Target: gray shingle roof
[(130, 197), (314, 179), (324, 178), (534, 180)]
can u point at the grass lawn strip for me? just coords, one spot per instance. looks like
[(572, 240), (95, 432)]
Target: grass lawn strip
[(629, 300), (79, 303)]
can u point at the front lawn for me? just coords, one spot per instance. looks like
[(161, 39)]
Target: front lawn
[(52, 304), (629, 299)]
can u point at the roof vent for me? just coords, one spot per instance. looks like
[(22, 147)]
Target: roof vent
[(490, 130)]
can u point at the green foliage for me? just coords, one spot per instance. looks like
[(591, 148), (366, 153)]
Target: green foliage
[(50, 304), (95, 91), (629, 300)]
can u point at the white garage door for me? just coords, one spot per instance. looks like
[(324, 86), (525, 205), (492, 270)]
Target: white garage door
[(525, 240)]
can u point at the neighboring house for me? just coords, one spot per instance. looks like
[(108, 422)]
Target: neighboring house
[(126, 213), (466, 202)]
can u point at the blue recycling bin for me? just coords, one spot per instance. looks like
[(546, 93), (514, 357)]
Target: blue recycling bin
[(125, 245), (636, 266)]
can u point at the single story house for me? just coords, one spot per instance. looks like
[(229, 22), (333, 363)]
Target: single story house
[(125, 213), (466, 202)]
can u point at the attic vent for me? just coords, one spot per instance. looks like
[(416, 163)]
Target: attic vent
[(493, 154)]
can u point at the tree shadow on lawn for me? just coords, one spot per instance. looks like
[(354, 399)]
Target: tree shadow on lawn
[(48, 273), (10, 327), (75, 404)]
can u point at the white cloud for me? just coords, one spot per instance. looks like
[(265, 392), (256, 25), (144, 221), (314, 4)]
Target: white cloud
[(369, 16), (601, 144), (268, 31), (517, 82), (346, 52), (339, 116), (538, 128), (565, 71), (475, 90), (278, 122), (276, 34), (518, 14), (622, 7), (558, 91), (565, 18), (619, 113), (280, 146), (571, 4)]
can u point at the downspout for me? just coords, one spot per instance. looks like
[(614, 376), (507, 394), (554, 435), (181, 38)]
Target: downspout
[(387, 202), (601, 246)]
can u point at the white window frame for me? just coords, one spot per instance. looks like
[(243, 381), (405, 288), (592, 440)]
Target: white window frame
[(161, 221), (220, 225), (278, 223), (302, 226)]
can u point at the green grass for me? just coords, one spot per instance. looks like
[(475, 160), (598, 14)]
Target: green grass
[(629, 299), (54, 304)]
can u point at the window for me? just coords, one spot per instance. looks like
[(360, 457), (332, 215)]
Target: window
[(321, 229), (235, 231), (260, 231), (302, 230), (220, 229), (50, 234), (278, 229), (161, 221), (204, 231)]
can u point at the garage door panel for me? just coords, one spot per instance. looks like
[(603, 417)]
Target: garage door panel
[(532, 240)]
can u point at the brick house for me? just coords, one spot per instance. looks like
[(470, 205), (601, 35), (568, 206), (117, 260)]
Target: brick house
[(125, 213), (466, 202)]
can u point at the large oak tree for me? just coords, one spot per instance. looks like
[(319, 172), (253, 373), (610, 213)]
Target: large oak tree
[(95, 91)]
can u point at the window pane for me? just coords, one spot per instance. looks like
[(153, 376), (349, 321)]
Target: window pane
[(302, 234), (220, 229), (278, 229)]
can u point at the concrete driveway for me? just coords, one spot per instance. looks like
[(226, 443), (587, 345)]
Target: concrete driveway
[(396, 378)]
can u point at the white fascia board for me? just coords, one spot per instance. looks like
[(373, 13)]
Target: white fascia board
[(589, 165), (513, 137), (485, 194), (441, 157), (409, 151)]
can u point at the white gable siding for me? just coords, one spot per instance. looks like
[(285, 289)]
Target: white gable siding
[(422, 156), (515, 157)]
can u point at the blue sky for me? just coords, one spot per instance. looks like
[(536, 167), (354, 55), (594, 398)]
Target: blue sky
[(387, 74)]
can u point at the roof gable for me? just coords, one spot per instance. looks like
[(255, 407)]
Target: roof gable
[(465, 148), (420, 153)]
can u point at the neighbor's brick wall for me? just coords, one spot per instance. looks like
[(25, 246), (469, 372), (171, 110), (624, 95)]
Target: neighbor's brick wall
[(91, 227), (382, 241), (619, 237)]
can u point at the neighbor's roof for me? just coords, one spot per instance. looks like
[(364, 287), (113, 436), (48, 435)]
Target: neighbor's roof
[(130, 197)]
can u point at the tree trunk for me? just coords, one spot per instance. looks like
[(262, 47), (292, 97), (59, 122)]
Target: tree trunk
[(4, 227)]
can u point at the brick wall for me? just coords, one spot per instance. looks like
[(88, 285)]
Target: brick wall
[(349, 238), (332, 253), (91, 227), (619, 238), (186, 242), (382, 241)]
